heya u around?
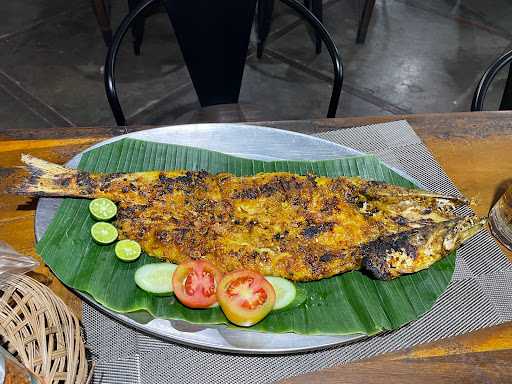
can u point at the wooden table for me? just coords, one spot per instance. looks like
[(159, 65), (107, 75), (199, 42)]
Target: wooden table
[(475, 149)]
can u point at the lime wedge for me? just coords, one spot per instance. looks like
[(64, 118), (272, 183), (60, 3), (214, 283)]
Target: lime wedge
[(104, 233), (127, 250), (102, 209)]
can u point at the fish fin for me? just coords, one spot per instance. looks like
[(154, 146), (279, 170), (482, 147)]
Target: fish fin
[(378, 189), (413, 250), (47, 179)]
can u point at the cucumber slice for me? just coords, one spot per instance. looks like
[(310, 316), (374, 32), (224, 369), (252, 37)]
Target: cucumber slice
[(300, 298), (285, 291), (156, 278)]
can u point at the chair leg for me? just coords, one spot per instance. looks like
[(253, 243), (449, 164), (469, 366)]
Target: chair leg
[(366, 15), (331, 48), (506, 99), (110, 62), (263, 22), (101, 9), (317, 9), (137, 28)]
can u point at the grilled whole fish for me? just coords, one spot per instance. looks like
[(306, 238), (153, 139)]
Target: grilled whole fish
[(301, 228)]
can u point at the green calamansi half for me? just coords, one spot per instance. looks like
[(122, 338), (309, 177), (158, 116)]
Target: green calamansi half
[(127, 250), (104, 233), (102, 209)]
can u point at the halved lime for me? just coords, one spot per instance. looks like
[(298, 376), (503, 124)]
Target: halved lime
[(103, 233), (102, 209), (127, 250)]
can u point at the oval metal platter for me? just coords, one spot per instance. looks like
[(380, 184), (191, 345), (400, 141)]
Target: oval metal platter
[(254, 142)]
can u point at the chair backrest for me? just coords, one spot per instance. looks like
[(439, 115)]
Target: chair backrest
[(110, 64), (485, 82)]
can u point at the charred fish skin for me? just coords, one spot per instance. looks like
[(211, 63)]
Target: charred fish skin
[(407, 252), (300, 227)]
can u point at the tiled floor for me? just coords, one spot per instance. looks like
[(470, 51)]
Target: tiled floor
[(418, 57)]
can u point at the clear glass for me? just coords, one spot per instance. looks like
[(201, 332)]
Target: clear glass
[(500, 219)]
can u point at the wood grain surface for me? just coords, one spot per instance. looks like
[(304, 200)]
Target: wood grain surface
[(475, 150)]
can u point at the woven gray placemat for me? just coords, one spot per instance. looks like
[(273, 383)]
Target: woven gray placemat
[(479, 296)]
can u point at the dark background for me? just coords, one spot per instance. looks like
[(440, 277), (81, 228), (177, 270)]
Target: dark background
[(419, 56)]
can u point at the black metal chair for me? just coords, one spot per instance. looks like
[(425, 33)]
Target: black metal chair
[(102, 10), (110, 65), (485, 82), (264, 21)]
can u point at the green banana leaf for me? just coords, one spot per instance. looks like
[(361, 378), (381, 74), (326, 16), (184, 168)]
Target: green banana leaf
[(344, 304)]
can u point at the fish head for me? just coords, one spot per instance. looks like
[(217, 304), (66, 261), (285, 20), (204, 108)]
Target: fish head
[(410, 251)]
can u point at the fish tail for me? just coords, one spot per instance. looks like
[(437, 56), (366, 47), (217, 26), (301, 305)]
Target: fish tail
[(406, 252), (49, 179)]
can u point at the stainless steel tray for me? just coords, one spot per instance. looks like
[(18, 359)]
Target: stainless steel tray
[(247, 141)]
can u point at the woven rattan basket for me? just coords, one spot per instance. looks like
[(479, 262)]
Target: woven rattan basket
[(42, 330)]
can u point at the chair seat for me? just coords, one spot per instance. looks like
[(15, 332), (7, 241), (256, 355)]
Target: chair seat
[(224, 113)]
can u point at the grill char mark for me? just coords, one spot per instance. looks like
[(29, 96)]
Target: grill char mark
[(276, 185), (315, 230), (186, 183), (375, 254), (85, 182)]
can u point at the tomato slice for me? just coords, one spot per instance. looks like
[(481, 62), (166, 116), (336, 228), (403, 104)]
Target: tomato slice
[(195, 283), (245, 297)]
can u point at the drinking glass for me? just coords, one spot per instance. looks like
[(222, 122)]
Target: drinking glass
[(500, 219)]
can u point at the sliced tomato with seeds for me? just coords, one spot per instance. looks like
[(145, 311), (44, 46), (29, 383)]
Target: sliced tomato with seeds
[(245, 297), (195, 283)]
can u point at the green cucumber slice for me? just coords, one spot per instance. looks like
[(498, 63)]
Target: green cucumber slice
[(285, 291), (155, 278), (300, 298)]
